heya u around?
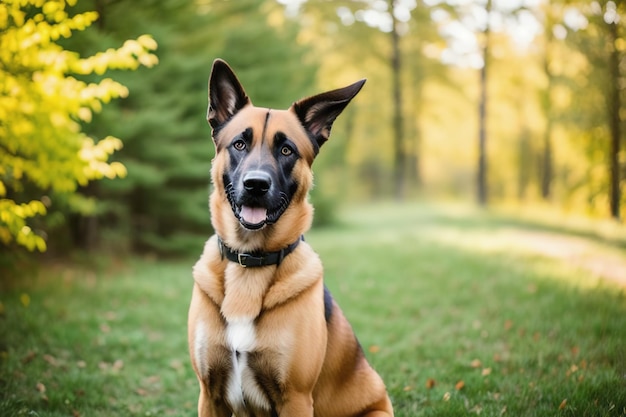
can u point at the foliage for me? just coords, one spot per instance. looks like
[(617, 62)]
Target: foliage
[(161, 206), (454, 307), (440, 45), (43, 149), (544, 141)]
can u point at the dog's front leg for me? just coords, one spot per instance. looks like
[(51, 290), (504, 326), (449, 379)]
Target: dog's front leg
[(210, 408), (297, 405)]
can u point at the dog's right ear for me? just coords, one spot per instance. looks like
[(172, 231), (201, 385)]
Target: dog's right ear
[(226, 95)]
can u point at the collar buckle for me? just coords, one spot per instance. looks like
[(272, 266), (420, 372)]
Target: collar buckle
[(241, 258)]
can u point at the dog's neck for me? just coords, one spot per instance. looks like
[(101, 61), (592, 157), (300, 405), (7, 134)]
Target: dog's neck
[(257, 258)]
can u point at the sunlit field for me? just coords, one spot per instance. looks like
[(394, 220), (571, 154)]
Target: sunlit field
[(461, 311)]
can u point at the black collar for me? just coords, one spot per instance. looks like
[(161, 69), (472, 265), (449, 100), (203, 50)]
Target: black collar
[(256, 258)]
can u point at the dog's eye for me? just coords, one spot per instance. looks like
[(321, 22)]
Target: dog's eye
[(239, 145), (286, 151)]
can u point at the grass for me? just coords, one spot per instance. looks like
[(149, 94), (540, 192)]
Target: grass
[(459, 310)]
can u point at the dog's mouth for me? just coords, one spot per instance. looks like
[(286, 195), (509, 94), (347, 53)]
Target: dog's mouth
[(255, 217), (252, 218)]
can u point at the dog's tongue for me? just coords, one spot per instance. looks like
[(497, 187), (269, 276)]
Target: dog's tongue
[(253, 215)]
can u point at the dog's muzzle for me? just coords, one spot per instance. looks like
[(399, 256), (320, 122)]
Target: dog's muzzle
[(252, 206)]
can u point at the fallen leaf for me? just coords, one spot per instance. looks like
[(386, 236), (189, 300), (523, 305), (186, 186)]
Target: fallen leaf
[(141, 391), (374, 349), (105, 328), (446, 396), (41, 387), (575, 350), (29, 357), (75, 413), (563, 404), (430, 383), (110, 315), (81, 364), (118, 365), (151, 380), (486, 371), (51, 360), (459, 385), (407, 388), (476, 363), (508, 324)]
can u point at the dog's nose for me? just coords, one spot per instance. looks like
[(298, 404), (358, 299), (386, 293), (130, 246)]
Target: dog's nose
[(257, 182)]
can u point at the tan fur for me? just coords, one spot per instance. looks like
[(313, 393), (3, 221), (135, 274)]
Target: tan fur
[(306, 366)]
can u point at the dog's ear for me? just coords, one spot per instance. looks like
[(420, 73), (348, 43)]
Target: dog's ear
[(226, 95), (317, 113)]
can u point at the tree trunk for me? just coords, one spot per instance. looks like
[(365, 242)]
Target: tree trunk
[(397, 122), (614, 123), (482, 119), (415, 138), (546, 169)]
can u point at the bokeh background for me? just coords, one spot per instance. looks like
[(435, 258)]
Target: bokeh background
[(496, 102)]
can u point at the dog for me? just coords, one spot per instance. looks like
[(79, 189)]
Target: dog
[(266, 339)]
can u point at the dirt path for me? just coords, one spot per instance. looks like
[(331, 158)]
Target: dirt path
[(601, 259)]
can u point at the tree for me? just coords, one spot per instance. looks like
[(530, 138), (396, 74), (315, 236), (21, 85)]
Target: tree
[(611, 19), (397, 116), (596, 34), (551, 15), (44, 153), (481, 179), (161, 206)]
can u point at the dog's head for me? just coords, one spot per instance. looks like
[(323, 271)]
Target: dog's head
[(261, 172)]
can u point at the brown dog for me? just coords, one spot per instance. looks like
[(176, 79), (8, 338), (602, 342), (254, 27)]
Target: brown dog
[(265, 337)]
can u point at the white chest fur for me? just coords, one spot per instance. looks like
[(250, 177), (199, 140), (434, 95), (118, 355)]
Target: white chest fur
[(241, 334), (241, 338)]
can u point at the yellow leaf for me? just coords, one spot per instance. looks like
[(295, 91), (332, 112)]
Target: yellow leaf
[(25, 299), (147, 42)]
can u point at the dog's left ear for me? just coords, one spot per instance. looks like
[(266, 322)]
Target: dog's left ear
[(226, 94), (317, 113)]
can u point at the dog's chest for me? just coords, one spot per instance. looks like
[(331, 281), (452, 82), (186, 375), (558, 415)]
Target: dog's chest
[(244, 389)]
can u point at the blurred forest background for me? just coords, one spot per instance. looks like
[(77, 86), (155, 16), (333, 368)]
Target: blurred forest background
[(495, 101)]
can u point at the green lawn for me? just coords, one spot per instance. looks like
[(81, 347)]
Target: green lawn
[(462, 312)]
